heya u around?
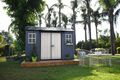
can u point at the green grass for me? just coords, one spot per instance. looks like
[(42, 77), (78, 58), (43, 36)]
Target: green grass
[(13, 71)]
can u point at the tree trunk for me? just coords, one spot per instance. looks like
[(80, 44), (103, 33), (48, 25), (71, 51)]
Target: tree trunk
[(96, 35), (89, 24), (85, 32), (59, 13), (112, 33), (74, 20)]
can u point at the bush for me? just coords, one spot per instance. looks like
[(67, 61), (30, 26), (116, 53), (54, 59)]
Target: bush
[(118, 50), (1, 50)]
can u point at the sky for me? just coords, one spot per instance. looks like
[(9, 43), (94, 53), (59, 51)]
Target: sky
[(5, 20)]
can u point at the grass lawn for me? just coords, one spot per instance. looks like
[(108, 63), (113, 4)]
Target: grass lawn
[(13, 71)]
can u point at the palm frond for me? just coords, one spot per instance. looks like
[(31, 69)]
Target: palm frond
[(103, 14), (116, 3), (116, 15)]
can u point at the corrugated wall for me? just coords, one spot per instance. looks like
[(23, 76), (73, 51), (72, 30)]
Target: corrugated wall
[(30, 46), (67, 49)]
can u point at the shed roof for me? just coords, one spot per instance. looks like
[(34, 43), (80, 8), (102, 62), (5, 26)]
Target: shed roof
[(29, 28)]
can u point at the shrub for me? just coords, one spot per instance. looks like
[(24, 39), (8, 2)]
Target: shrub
[(118, 50), (1, 50)]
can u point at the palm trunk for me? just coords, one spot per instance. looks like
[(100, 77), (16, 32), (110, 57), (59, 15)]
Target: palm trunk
[(89, 24), (74, 21), (112, 33), (85, 32), (96, 35), (59, 13)]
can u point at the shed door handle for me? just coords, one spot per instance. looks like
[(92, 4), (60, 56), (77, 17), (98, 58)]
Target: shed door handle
[(52, 45)]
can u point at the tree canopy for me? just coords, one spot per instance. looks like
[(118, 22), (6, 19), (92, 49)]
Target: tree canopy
[(23, 13)]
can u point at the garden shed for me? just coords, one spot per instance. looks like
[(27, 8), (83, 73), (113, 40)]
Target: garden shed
[(50, 43)]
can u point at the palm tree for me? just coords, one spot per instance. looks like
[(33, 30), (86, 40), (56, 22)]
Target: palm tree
[(84, 16), (48, 15), (89, 22), (87, 5), (96, 16), (40, 15), (109, 6), (65, 20), (74, 6), (54, 21), (60, 6)]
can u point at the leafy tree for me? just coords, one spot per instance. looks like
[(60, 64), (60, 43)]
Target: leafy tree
[(23, 13), (5, 45), (109, 7), (104, 41), (7, 38)]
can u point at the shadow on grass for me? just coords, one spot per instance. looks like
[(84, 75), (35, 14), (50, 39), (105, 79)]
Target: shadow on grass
[(115, 68)]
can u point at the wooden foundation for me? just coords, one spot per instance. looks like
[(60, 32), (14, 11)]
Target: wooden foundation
[(48, 63)]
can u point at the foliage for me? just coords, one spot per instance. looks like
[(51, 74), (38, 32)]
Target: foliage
[(6, 38), (104, 41), (1, 39), (34, 59), (118, 50), (1, 50), (108, 3), (85, 45), (17, 47), (117, 42), (23, 13), (99, 49), (5, 45)]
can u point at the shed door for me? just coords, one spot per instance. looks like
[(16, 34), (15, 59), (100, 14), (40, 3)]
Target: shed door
[(50, 46), (56, 46), (45, 46)]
